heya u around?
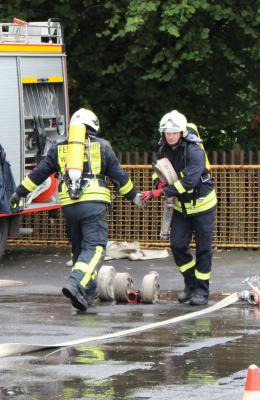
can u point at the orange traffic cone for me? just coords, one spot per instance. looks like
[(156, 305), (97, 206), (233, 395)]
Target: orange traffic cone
[(252, 388)]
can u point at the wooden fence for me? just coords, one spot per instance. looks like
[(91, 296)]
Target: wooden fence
[(237, 218), (218, 157)]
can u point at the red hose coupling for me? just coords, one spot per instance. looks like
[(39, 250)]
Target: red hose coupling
[(254, 297), (134, 296)]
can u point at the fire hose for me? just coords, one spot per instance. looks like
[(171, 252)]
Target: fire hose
[(251, 296), (8, 349)]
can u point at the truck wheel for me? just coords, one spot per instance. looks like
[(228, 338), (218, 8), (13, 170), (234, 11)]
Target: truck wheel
[(105, 282), (3, 235), (150, 287), (122, 285)]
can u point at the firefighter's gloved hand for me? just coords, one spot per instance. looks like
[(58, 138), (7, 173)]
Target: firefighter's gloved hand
[(138, 202), (15, 200), (161, 185), (151, 194), (157, 184)]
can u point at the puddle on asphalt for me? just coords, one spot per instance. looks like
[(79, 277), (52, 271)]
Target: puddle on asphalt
[(188, 359)]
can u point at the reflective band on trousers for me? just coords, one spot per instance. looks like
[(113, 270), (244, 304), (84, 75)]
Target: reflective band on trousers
[(89, 268), (187, 266), (201, 276), (202, 204), (28, 184)]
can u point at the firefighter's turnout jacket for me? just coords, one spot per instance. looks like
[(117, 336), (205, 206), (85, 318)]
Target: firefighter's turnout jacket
[(193, 192), (104, 163), (195, 201)]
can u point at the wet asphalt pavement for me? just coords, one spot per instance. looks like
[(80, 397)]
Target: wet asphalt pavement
[(196, 359)]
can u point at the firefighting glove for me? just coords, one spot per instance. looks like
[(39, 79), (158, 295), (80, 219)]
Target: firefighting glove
[(137, 201), (151, 194), (161, 185), (15, 201), (157, 184)]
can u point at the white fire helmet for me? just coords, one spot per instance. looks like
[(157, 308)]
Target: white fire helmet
[(173, 122), (86, 117)]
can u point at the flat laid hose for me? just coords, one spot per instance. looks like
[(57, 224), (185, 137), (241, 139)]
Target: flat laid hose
[(8, 349)]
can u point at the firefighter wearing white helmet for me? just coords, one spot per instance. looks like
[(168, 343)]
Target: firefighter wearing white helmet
[(88, 118), (173, 122), (86, 163), (194, 203)]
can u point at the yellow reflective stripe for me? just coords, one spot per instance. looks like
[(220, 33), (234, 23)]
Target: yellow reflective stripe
[(182, 175), (201, 276), (98, 191), (29, 184), (179, 187), (94, 275), (187, 266), (81, 266), (92, 192), (89, 268), (95, 156), (87, 197), (62, 156), (126, 188), (202, 204), (154, 176)]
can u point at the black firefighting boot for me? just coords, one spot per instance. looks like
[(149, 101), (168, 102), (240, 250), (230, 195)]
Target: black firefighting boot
[(197, 299), (185, 295), (200, 295), (72, 292), (189, 280), (91, 292)]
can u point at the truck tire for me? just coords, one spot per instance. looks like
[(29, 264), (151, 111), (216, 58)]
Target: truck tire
[(4, 225)]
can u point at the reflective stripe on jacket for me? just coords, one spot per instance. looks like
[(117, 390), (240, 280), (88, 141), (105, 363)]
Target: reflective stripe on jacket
[(193, 191), (103, 162), (95, 189)]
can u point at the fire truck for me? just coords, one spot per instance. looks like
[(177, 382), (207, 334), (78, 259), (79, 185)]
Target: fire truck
[(34, 108)]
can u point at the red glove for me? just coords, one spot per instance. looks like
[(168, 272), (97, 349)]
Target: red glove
[(161, 185), (157, 184), (150, 194)]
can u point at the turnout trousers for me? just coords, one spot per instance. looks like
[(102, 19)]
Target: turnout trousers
[(196, 271), (88, 232)]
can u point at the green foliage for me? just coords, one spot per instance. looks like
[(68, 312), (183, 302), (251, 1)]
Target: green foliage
[(132, 61)]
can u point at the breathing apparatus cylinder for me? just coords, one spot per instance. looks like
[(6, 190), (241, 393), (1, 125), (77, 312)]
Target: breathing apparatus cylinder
[(75, 161)]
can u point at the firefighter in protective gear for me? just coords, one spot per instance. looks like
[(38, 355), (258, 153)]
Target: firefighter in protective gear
[(86, 213), (194, 206)]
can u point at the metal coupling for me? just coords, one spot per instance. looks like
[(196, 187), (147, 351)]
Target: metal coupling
[(134, 296)]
